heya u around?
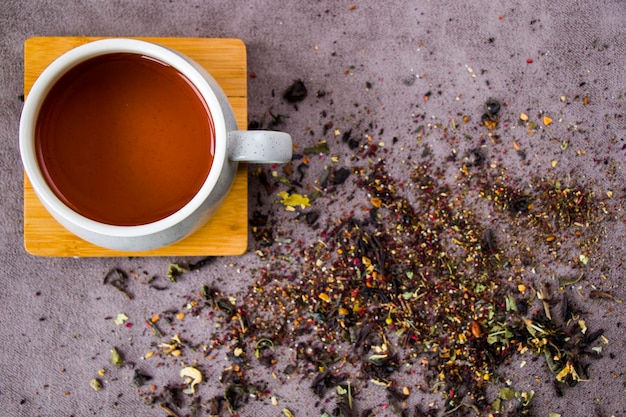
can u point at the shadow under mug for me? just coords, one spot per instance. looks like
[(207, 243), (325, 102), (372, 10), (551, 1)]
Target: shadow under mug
[(83, 149)]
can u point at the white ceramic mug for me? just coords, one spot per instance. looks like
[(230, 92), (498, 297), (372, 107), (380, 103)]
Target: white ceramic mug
[(231, 147)]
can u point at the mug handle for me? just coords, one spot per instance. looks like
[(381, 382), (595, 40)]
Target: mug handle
[(259, 146)]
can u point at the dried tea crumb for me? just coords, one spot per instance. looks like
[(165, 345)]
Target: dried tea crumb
[(296, 92), (96, 384)]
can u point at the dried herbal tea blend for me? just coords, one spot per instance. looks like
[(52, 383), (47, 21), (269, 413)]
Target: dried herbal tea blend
[(418, 275)]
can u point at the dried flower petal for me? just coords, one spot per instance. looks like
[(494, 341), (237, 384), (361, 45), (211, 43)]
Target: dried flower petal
[(192, 377), (120, 319), (294, 200)]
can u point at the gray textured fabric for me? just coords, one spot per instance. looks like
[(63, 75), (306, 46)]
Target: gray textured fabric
[(57, 316)]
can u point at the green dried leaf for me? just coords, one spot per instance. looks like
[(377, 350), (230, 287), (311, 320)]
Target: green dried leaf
[(511, 305), (408, 295), (321, 147), (174, 271), (116, 358), (497, 405), (95, 384), (565, 281), (506, 393)]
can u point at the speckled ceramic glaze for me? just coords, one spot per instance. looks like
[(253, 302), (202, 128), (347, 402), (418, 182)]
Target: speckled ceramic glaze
[(231, 147)]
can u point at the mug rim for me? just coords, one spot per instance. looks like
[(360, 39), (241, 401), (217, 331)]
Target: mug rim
[(50, 76)]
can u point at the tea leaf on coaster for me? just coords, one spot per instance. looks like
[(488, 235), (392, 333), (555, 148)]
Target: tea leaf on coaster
[(117, 278), (174, 271), (293, 200)]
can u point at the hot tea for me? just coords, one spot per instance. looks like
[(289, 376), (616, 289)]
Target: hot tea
[(124, 139)]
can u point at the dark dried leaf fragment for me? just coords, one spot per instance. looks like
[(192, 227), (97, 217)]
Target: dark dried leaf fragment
[(139, 378), (311, 217), (215, 405), (117, 278), (475, 157), (341, 175), (324, 381), (519, 204), (201, 263), (492, 106), (295, 92), (600, 295)]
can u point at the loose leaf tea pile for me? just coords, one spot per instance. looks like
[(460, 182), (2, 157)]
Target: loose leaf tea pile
[(417, 276)]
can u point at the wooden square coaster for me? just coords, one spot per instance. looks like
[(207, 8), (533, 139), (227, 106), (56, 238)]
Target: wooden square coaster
[(227, 232)]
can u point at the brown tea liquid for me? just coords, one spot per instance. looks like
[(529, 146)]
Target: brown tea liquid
[(123, 139)]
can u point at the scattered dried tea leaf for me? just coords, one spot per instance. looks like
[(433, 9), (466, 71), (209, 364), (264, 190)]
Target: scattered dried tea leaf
[(341, 175), (491, 124), (174, 271), (117, 278), (155, 330), (116, 358), (96, 384), (600, 295), (201, 263), (565, 281), (568, 370), (140, 378), (584, 259), (294, 200), (192, 377), (321, 147), (492, 106), (295, 92), (120, 319)]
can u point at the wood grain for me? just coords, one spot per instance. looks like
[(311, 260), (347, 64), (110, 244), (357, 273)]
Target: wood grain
[(227, 232)]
